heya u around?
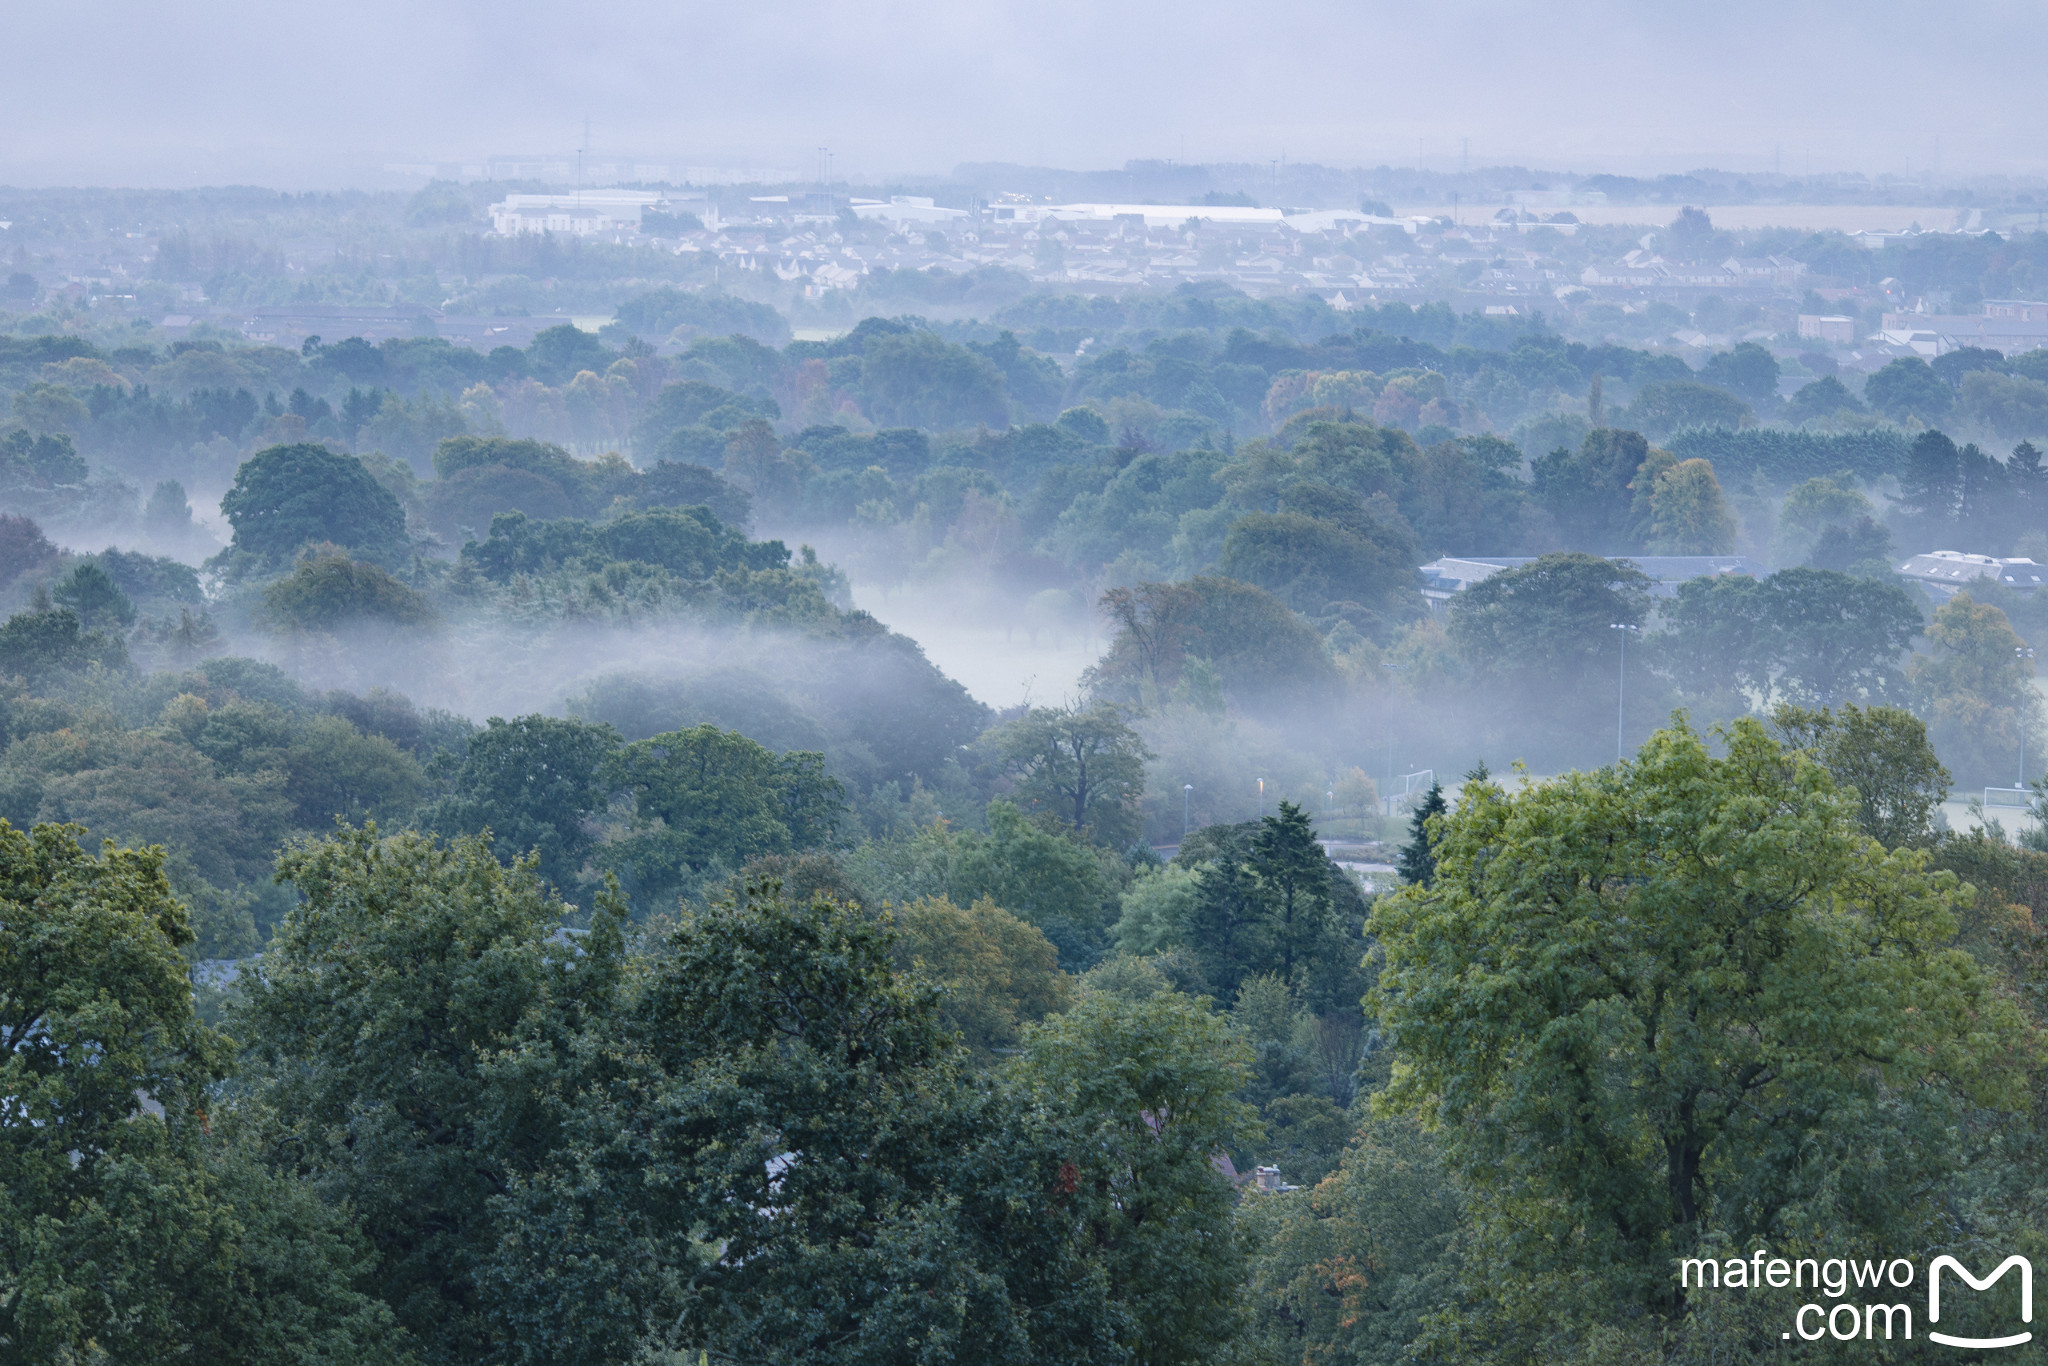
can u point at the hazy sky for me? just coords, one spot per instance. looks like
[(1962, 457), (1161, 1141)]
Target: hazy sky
[(211, 91)]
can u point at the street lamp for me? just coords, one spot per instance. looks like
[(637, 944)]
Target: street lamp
[(1187, 792), (2025, 652), (1621, 687)]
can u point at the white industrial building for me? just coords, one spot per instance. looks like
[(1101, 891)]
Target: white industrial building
[(582, 213)]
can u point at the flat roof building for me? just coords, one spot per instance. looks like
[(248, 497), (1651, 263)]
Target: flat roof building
[(1944, 573), (580, 213), (1444, 579)]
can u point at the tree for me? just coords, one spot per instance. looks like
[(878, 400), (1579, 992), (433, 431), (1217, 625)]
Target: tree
[(92, 593), (705, 797), (1832, 637), (917, 379), (1417, 861), (745, 1135), (1320, 568), (1349, 1271), (1050, 877), (1265, 656), (23, 547), (1749, 370), (1548, 621), (1292, 869), (1689, 515), (1717, 636), (1663, 406), (1587, 492), (1150, 1091), (1882, 755), (1862, 548), (1905, 388), (330, 592), (1821, 398), (2008, 406), (1810, 509), (334, 771), (1970, 687), (1630, 992), (533, 783), (39, 646), (414, 1096), (998, 973), (128, 1232), (286, 497), (1086, 766)]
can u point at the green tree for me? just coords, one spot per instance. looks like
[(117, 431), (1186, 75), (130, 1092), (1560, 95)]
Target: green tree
[(533, 783), (1881, 754), (1347, 1272), (1821, 398), (328, 592), (1832, 637), (1809, 510), (1587, 491), (1319, 567), (1908, 388), (1086, 766), (286, 497), (1050, 877), (1417, 860), (335, 771), (1688, 514), (1294, 872), (417, 1098), (128, 1232), (707, 797), (1150, 1091), (1969, 688), (997, 972), (1662, 406), (90, 591), (1543, 631), (1630, 992), (39, 646), (1749, 369)]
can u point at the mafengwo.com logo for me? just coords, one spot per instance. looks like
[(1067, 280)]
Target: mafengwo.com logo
[(1872, 1300)]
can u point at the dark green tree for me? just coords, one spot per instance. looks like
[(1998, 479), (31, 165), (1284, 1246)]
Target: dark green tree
[(533, 783), (92, 593), (130, 1233), (1417, 860), (1749, 370), (1293, 870), (287, 497), (707, 797), (39, 646), (1907, 387), (1085, 766)]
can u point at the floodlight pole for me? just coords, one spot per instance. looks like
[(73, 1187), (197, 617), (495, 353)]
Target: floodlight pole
[(2026, 696), (1389, 793), (1187, 792), (1621, 690)]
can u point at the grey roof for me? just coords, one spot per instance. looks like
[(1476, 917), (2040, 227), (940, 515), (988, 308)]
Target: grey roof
[(1454, 573)]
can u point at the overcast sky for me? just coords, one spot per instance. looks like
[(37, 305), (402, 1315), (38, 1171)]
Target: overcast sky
[(298, 95)]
